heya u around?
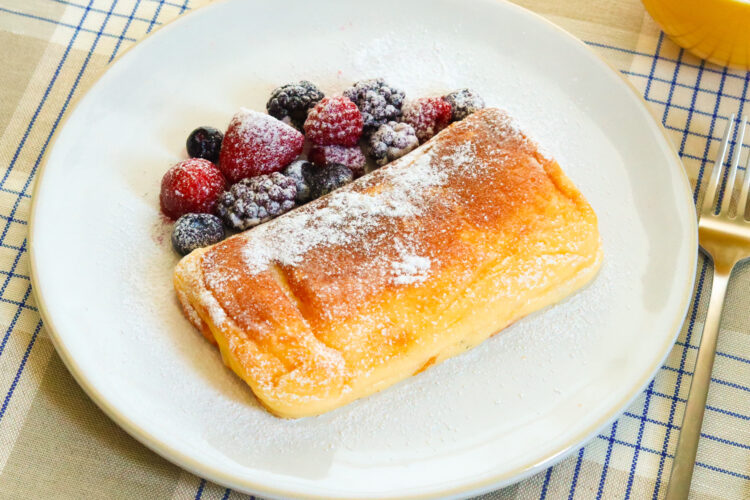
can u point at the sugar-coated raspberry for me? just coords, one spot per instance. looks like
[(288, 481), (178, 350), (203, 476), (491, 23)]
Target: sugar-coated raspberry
[(290, 103), (191, 186), (428, 116), (193, 231), (255, 200), (377, 101), (256, 144), (352, 157), (334, 121), (390, 141), (204, 142), (463, 103)]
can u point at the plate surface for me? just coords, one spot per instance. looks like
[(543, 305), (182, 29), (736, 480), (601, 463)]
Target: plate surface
[(516, 404)]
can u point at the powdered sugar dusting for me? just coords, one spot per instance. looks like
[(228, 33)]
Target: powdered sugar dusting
[(266, 127), (256, 143), (411, 269), (464, 154), (218, 316), (192, 314), (175, 378), (337, 219)]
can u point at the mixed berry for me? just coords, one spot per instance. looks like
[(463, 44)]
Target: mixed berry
[(257, 144), (377, 101), (334, 121), (193, 231), (256, 170), (390, 141), (463, 103), (204, 142), (257, 199), (428, 116), (325, 179), (300, 171), (290, 103), (191, 186), (351, 156)]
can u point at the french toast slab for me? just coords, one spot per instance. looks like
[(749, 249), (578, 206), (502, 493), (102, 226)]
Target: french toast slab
[(413, 263)]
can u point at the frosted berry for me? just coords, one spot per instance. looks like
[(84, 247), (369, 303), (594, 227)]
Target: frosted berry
[(257, 144), (334, 121), (258, 199), (204, 142), (463, 103), (352, 157), (390, 141), (428, 116), (377, 101), (326, 179), (193, 231), (300, 171), (191, 186), (290, 103)]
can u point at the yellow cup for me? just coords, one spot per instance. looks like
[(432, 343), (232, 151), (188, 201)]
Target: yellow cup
[(715, 30)]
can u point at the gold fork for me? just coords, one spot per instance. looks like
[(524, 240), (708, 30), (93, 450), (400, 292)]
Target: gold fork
[(725, 239)]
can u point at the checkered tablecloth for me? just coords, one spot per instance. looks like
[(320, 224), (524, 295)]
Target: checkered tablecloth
[(55, 443)]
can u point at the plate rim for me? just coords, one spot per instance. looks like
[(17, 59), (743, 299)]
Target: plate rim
[(497, 481)]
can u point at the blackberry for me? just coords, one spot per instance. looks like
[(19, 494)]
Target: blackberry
[(193, 231), (290, 103), (204, 142), (377, 101), (390, 141), (325, 179), (257, 199), (301, 171), (463, 103)]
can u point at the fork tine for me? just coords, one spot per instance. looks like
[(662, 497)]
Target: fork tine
[(742, 200), (713, 183), (729, 189)]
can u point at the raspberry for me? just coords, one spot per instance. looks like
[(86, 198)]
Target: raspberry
[(352, 157), (378, 102), (193, 231), (290, 103), (324, 180), (256, 144), (204, 142), (334, 121), (392, 140), (428, 116), (191, 186), (257, 199), (463, 103)]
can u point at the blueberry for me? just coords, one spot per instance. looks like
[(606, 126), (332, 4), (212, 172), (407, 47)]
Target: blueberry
[(301, 171), (204, 142), (193, 231)]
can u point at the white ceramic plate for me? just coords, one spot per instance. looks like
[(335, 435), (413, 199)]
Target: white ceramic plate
[(102, 262)]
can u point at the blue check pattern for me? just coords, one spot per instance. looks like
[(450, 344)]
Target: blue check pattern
[(629, 459)]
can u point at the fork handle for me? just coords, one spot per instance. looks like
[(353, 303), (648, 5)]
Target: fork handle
[(687, 445)]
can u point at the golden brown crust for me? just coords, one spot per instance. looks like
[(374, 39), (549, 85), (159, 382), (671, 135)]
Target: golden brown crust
[(413, 263)]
